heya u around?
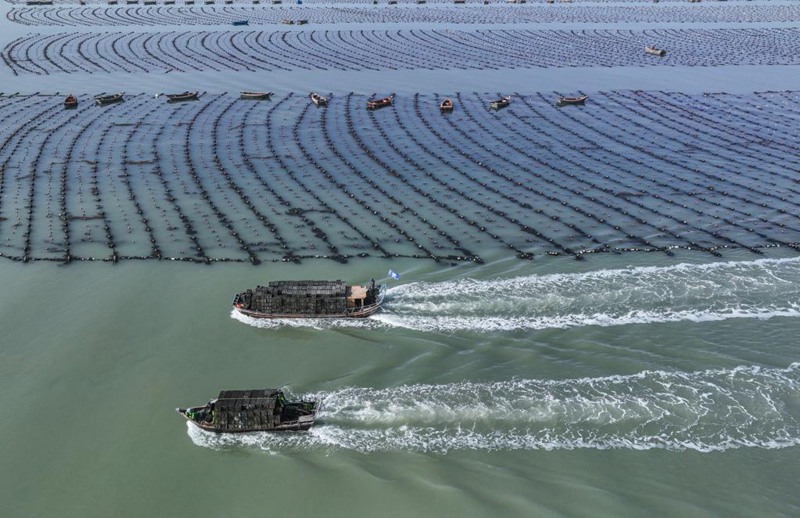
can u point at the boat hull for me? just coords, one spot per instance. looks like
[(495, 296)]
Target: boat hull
[(500, 103), (256, 96), (318, 100), (187, 96), (571, 101), (109, 99), (380, 103), (359, 314), (303, 424)]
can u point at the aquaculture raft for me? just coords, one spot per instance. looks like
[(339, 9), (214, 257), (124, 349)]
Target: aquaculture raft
[(262, 410), (310, 299)]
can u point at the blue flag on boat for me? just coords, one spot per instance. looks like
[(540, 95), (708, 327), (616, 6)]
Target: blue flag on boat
[(394, 275)]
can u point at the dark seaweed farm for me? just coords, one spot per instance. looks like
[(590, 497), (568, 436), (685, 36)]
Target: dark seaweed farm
[(224, 179)]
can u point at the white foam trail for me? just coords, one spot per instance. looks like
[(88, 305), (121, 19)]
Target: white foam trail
[(705, 411), (687, 292)]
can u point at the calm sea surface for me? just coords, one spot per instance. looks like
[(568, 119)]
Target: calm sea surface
[(623, 385)]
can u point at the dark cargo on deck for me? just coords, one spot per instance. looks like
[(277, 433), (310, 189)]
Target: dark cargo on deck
[(310, 299), (262, 410)]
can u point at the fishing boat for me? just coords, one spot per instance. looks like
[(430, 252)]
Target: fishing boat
[(240, 22), (318, 100), (567, 101), (262, 410), (185, 96), (287, 21), (446, 105), (374, 104), (500, 103), (301, 22), (310, 299), (258, 96), (71, 101), (102, 100), (654, 51)]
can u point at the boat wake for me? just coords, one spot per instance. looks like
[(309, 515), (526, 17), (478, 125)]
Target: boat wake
[(687, 292), (706, 411)]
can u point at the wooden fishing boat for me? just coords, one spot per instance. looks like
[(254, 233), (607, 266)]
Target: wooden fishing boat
[(500, 103), (71, 101), (257, 96), (374, 104), (310, 299), (102, 100), (240, 22), (262, 410), (318, 100), (566, 101), (654, 51), (184, 96), (446, 105)]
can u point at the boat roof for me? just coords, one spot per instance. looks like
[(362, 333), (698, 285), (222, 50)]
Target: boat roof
[(238, 400), (305, 287), (357, 292)]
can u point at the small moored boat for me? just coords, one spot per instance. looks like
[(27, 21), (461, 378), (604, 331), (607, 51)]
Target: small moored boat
[(240, 22), (374, 104), (446, 105), (310, 299), (318, 100), (256, 95), (241, 411), (500, 103), (567, 101), (102, 100), (71, 101), (184, 96), (654, 51)]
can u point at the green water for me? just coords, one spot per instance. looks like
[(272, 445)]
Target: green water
[(95, 358)]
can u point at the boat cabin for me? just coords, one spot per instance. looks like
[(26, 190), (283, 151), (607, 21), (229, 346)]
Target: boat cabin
[(359, 296)]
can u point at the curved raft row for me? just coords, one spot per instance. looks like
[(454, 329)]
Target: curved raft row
[(394, 50), (149, 15), (339, 3), (283, 181)]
